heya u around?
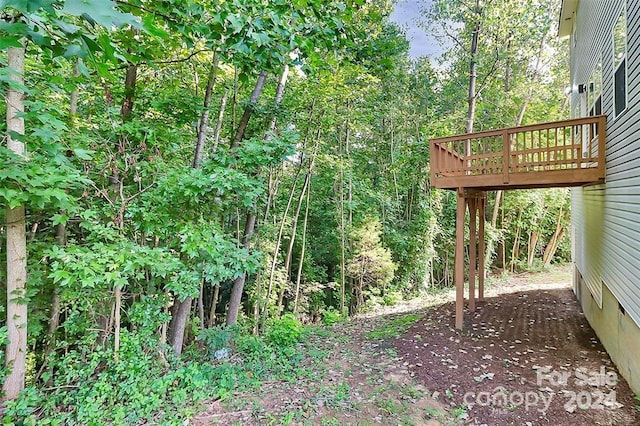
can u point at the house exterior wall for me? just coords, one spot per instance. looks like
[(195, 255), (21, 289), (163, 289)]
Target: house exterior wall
[(606, 218)]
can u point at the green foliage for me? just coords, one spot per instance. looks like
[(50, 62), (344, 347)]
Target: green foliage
[(42, 180), (132, 390), (249, 345), (284, 332), (331, 316), (217, 338), (392, 298), (393, 328)]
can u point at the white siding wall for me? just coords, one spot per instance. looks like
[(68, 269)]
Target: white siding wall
[(606, 218)]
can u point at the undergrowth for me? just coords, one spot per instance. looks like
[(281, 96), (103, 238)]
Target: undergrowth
[(141, 386), (393, 328)]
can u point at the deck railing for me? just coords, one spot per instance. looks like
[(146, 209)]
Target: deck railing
[(519, 155)]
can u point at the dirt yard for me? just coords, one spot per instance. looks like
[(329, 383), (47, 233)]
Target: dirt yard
[(527, 356)]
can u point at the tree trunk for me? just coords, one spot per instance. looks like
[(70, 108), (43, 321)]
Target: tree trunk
[(214, 305), (61, 233), (282, 82), (294, 228), (238, 284), (515, 249), (496, 209), (302, 251), (116, 319), (183, 308), (473, 74), (201, 304), (551, 248), (279, 240), (244, 120), (180, 316), (250, 224), (216, 136), (531, 250), (16, 350), (204, 117), (129, 92), (342, 243)]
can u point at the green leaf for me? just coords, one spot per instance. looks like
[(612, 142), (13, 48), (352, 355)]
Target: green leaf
[(102, 12), (83, 154), (58, 219), (9, 41)]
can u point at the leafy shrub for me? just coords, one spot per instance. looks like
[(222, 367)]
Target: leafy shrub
[(285, 331), (392, 298), (249, 345), (330, 316), (217, 338)]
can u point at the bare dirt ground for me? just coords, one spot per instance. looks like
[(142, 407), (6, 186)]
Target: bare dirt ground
[(526, 357)]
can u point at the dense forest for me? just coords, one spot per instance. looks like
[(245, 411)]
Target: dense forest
[(179, 174)]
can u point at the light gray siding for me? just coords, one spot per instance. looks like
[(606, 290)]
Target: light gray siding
[(606, 218)]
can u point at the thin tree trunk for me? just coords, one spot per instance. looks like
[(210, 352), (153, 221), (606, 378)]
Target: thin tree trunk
[(250, 224), (126, 110), (279, 240), (116, 319), (204, 118), (496, 209), (129, 92), (216, 136), (515, 249), (302, 251), (294, 225), (214, 305), (248, 111), (234, 101), (294, 228), (163, 329), (179, 321), (61, 232), (73, 101), (473, 74), (201, 304), (342, 241), (551, 248), (504, 244), (272, 125), (531, 247), (347, 143), (15, 357), (282, 82)]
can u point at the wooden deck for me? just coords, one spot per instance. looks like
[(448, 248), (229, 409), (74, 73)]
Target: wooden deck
[(558, 154)]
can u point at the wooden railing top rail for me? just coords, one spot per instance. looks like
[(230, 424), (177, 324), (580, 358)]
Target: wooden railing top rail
[(517, 129)]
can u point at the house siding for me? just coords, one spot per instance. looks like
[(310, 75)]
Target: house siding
[(606, 218)]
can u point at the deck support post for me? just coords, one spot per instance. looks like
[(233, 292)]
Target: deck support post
[(481, 247), (473, 207), (459, 257)]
